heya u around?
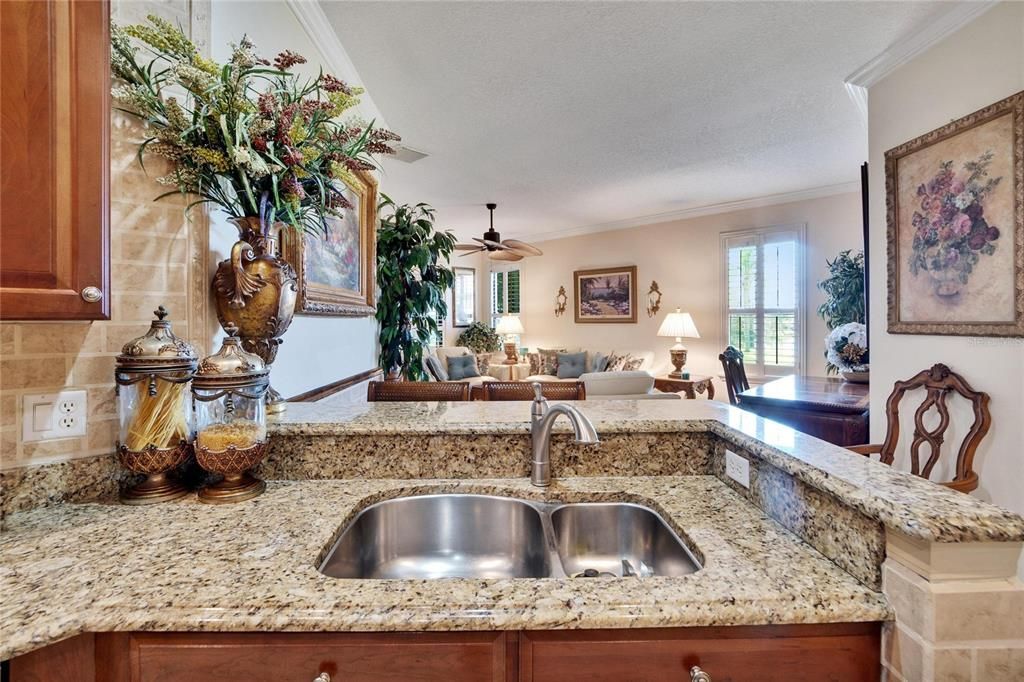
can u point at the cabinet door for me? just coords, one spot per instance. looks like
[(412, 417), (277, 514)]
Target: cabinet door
[(301, 657), (836, 653), (54, 163)]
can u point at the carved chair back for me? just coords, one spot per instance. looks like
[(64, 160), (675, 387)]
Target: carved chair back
[(409, 391), (522, 390), (937, 382), (735, 374)]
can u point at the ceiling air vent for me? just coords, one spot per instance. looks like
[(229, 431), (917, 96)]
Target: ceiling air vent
[(408, 154)]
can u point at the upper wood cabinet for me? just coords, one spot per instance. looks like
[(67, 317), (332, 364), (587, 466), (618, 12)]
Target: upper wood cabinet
[(54, 160)]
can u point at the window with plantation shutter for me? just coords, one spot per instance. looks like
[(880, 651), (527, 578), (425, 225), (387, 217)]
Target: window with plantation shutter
[(504, 294), (763, 292)]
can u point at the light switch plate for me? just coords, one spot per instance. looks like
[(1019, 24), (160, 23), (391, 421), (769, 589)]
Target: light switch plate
[(48, 416), (737, 468)]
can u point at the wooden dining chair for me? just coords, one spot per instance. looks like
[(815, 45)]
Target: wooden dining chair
[(735, 374), (523, 390), (411, 391), (938, 382)]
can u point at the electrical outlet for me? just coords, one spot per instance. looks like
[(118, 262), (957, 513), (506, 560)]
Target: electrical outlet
[(737, 468), (46, 416)]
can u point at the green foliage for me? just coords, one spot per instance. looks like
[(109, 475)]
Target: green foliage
[(844, 293), (844, 290), (413, 276), (480, 338)]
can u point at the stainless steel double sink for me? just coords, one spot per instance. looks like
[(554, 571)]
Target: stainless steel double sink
[(483, 536)]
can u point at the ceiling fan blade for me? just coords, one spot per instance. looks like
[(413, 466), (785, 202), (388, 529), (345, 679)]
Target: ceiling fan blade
[(467, 247), (470, 253), (504, 255), (522, 247), (489, 244)]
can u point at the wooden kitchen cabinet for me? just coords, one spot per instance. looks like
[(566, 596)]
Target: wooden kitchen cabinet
[(54, 160), (775, 653)]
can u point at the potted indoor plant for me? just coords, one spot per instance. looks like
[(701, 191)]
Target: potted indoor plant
[(262, 144), (844, 300), (412, 276), (480, 338)]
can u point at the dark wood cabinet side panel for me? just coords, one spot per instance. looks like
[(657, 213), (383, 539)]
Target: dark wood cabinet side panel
[(54, 159), (351, 657), (69, 659)]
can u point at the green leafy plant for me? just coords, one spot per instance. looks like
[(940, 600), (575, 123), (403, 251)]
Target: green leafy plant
[(480, 338), (245, 132), (844, 292), (413, 276)]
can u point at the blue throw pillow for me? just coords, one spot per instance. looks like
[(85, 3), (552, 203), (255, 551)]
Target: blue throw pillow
[(462, 367), (572, 365), (599, 363)]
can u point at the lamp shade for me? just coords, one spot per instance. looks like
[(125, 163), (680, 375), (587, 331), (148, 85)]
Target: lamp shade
[(509, 324), (679, 325)]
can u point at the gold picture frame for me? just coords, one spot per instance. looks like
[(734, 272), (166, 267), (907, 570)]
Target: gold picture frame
[(605, 295), (337, 273), (955, 213)]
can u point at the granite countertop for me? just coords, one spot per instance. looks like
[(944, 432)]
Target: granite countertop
[(186, 566), (902, 502)]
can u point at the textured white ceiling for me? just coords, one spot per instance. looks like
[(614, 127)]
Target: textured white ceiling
[(571, 114)]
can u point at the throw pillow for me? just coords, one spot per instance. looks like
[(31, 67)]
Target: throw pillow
[(535, 363), (632, 364), (436, 369), (617, 361), (549, 360), (598, 362), (571, 365), (462, 367), (483, 363)]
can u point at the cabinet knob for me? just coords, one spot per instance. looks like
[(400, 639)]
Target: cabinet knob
[(698, 675), (92, 294), (323, 677)]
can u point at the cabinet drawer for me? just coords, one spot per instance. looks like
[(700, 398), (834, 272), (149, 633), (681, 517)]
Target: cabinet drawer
[(301, 657), (833, 653)]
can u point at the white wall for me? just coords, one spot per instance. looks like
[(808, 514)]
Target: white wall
[(316, 350), (685, 258), (977, 66)]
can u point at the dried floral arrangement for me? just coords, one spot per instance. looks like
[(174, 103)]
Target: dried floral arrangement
[(246, 131)]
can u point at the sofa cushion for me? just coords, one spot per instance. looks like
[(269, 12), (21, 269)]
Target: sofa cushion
[(618, 383), (598, 362), (462, 367), (436, 369), (543, 378), (549, 360), (571, 365)]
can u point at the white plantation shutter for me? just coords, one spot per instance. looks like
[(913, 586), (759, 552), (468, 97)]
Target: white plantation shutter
[(504, 294), (763, 270)]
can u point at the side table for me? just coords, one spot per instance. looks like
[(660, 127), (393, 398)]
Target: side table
[(691, 387)]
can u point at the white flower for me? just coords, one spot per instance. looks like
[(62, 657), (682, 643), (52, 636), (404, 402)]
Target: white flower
[(845, 334), (964, 199)]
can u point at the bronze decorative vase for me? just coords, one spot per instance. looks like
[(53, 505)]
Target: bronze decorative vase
[(256, 290)]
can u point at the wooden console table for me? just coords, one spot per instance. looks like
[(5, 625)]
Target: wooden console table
[(831, 409), (690, 387)]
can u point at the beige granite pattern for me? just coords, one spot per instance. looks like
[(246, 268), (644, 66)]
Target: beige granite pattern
[(898, 500), (855, 542), (72, 480), (501, 455), (251, 566)]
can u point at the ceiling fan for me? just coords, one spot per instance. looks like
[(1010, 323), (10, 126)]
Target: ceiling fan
[(498, 248)]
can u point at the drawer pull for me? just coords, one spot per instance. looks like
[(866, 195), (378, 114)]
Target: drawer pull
[(92, 294), (323, 677), (698, 675)]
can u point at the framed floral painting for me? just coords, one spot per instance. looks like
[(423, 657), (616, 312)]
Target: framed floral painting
[(605, 295), (337, 270), (955, 203)]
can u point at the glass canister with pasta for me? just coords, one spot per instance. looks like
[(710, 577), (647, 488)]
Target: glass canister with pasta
[(152, 384)]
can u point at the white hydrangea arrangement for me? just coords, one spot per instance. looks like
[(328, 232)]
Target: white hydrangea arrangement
[(846, 347)]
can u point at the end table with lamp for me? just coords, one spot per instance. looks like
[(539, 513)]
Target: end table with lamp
[(509, 326)]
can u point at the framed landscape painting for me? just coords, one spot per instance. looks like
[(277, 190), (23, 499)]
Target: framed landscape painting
[(955, 205), (605, 294), (337, 271)]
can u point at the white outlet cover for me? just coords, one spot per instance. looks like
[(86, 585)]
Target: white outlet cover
[(48, 416), (737, 468)]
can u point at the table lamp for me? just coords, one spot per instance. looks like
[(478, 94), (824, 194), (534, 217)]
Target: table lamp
[(678, 324), (509, 326)]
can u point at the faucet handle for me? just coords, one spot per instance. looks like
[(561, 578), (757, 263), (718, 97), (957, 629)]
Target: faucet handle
[(538, 391), (540, 403)]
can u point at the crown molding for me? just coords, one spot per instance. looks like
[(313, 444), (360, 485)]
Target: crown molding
[(698, 211), (908, 47), (316, 25)]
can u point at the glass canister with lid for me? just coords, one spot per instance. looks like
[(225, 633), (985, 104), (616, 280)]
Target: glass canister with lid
[(154, 411), (229, 397)]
